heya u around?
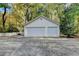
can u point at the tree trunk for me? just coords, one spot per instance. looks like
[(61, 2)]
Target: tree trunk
[(69, 36), (4, 19)]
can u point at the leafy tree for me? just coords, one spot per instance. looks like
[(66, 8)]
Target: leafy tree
[(33, 10), (4, 6), (68, 22), (75, 13), (54, 11), (18, 15)]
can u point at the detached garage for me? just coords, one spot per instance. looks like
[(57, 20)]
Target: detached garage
[(42, 27)]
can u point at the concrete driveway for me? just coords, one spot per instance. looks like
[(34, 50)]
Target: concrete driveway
[(20, 46)]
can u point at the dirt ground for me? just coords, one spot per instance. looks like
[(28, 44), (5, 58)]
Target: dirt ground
[(20, 46)]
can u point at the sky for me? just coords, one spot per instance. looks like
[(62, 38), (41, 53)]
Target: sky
[(8, 9), (2, 10)]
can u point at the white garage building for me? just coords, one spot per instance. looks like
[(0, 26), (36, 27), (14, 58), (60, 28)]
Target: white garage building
[(42, 27)]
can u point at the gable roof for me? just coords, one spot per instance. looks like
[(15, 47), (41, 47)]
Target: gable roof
[(48, 19)]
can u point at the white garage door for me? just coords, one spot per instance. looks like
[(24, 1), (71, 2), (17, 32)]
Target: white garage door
[(42, 31), (35, 31), (52, 31)]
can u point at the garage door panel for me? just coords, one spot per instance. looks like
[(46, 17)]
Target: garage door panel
[(52, 31), (35, 31)]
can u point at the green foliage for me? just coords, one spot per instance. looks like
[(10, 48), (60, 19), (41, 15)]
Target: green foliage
[(4, 17), (68, 26), (2, 5), (12, 29), (33, 10)]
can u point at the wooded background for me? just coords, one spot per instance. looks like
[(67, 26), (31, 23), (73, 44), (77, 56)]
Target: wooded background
[(14, 16)]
